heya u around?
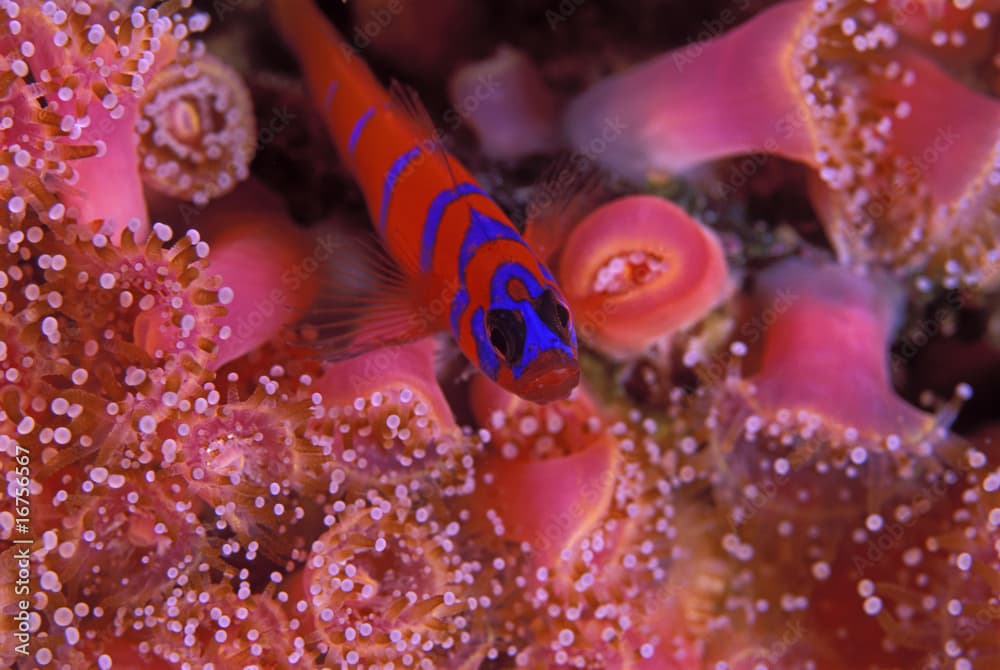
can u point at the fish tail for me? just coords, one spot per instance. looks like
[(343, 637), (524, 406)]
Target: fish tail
[(338, 78)]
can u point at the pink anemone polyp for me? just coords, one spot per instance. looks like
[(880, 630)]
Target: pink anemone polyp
[(901, 178), (383, 420), (271, 263), (392, 369), (551, 504), (520, 429), (639, 269), (826, 350), (197, 133), (79, 69), (728, 96)]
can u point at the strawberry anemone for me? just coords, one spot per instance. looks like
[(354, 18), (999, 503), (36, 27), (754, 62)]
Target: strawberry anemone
[(247, 460), (89, 374), (820, 409), (384, 422), (823, 359), (274, 263), (522, 430), (958, 34), (197, 132), (816, 445), (919, 571), (140, 317), (590, 504), (71, 91), (641, 270), (111, 541), (388, 584), (219, 625), (933, 586), (897, 177)]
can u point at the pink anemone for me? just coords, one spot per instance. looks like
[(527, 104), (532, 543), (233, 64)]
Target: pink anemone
[(922, 569), (817, 454), (959, 34), (91, 373), (197, 132), (900, 178), (89, 63), (272, 264), (551, 504), (590, 502), (388, 584), (218, 625), (520, 429), (825, 358), (637, 270), (384, 421)]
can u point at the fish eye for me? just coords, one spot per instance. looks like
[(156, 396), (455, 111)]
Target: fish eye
[(553, 313), (507, 333), (563, 314)]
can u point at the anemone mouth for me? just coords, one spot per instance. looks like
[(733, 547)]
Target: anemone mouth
[(646, 261), (197, 133), (551, 376)]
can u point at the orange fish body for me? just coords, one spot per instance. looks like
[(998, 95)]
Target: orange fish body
[(451, 241)]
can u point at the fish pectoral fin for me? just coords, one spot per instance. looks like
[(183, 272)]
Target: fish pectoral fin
[(366, 301), (567, 191)]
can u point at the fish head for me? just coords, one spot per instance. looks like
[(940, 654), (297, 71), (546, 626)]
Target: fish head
[(531, 344)]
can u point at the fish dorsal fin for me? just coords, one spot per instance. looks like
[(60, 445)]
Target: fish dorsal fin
[(366, 301), (567, 191), (406, 98), (408, 101)]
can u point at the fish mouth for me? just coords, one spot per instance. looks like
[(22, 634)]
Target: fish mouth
[(550, 377)]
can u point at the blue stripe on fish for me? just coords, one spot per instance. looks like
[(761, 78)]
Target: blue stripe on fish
[(434, 215), (482, 229), (359, 125), (545, 272), (397, 168), (458, 306), (330, 90)]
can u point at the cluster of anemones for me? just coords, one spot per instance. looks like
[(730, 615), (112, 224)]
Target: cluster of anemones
[(897, 178), (205, 492)]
